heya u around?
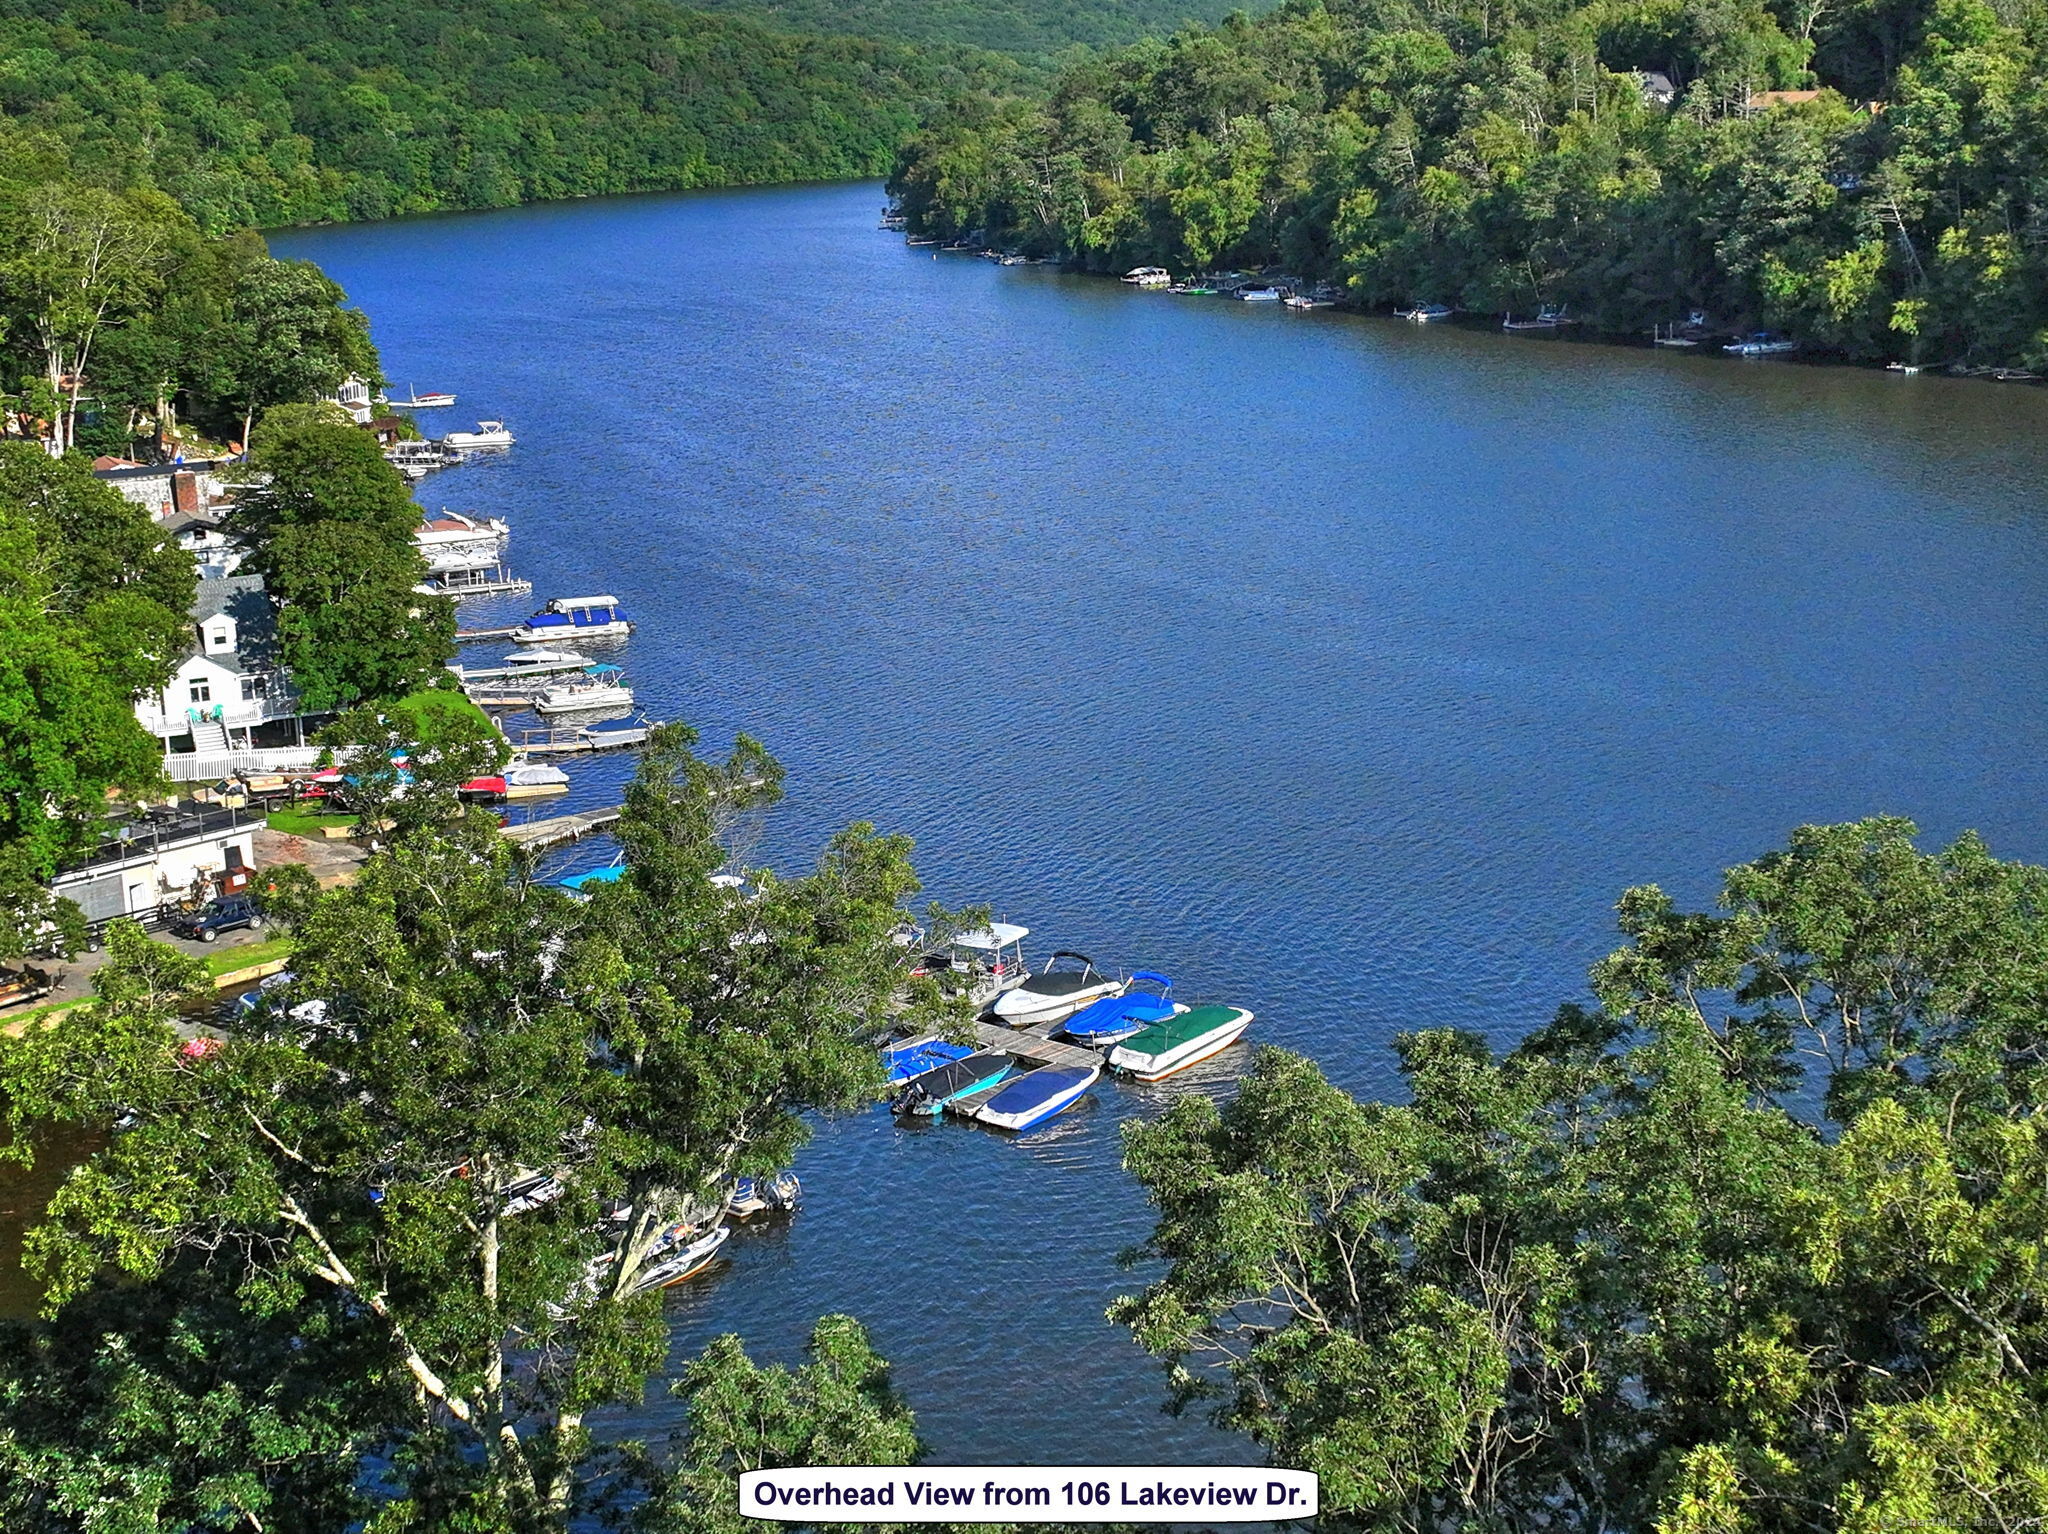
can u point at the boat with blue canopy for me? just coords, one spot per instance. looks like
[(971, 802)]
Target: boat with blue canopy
[(574, 618), (1038, 1095), (586, 883), (925, 1095), (904, 1062), (1115, 1018)]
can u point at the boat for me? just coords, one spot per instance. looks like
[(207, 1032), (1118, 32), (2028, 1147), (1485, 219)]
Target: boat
[(598, 687), (1761, 343), (1908, 368), (1054, 993), (1199, 289), (524, 665), (491, 786), (574, 618), (530, 1191), (416, 460), (1549, 317), (779, 1194), (1259, 295), (981, 964), (487, 434), (684, 1257), (1115, 1018), (433, 399), (1305, 301), (534, 780), (615, 734), (1423, 313), (1037, 1095), (1179, 1042), (1149, 277), (905, 1062), (925, 1095), (581, 885)]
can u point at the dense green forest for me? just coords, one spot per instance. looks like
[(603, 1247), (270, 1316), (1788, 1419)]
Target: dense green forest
[(267, 112), (1498, 154), (1028, 28)]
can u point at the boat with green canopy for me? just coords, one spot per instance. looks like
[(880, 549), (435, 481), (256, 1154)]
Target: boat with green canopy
[(1179, 1042)]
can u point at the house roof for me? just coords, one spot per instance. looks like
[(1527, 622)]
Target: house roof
[(242, 598), (1764, 99)]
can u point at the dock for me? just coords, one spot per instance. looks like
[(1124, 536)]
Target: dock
[(510, 585), (1035, 1044), (478, 636), (566, 742), (558, 830)]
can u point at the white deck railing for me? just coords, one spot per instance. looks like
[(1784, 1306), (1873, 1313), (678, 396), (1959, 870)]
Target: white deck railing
[(207, 766)]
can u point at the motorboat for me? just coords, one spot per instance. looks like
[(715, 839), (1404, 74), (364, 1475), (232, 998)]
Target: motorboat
[(530, 1191), (1761, 343), (433, 399), (779, 1194), (599, 687), (1179, 1042), (516, 669), (684, 1257), (1422, 314), (1055, 992), (1260, 295), (925, 1095), (487, 434), (1148, 277), (1037, 1095), (574, 618), (487, 788), (615, 734), (981, 964), (534, 780), (1115, 1018), (905, 1062), (1549, 317), (582, 886)]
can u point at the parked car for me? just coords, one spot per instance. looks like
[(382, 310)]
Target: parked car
[(230, 913)]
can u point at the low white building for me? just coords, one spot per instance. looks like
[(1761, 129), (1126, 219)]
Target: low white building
[(230, 686), (164, 858), (165, 488)]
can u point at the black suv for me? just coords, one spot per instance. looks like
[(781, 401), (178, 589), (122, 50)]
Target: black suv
[(226, 914)]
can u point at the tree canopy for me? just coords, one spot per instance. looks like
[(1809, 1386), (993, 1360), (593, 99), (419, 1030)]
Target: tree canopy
[(1753, 1244)]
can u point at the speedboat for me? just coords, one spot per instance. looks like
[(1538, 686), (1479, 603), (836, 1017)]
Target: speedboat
[(927, 1094), (1036, 1096), (1054, 992), (1179, 1042), (1423, 313), (574, 618), (982, 964), (599, 687), (905, 1062), (530, 1191), (758, 1195), (682, 1258), (1115, 1018), (1761, 343), (487, 434)]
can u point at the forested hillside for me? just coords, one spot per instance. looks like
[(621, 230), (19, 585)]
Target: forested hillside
[(266, 112), (1497, 154), (1029, 28)]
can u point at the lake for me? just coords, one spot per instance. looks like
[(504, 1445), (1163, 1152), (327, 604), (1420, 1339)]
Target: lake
[(1340, 668)]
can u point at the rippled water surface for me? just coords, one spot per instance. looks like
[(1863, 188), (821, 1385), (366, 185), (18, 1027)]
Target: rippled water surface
[(1340, 668)]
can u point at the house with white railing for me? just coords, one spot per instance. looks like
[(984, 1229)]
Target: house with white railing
[(230, 703)]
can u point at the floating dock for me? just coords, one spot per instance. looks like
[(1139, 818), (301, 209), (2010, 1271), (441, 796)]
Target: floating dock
[(478, 636), (569, 742), (510, 585), (557, 830), (1035, 1043)]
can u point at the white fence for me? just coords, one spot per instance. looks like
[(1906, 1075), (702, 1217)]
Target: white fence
[(209, 766)]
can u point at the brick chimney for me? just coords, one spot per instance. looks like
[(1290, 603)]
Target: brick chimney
[(185, 492)]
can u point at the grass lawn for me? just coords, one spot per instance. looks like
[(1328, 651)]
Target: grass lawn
[(247, 954), (305, 822)]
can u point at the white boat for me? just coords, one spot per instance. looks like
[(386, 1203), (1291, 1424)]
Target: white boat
[(1761, 343), (451, 540), (1036, 1096), (1055, 992), (1549, 317), (487, 434), (574, 618), (685, 1258), (1179, 1042), (1422, 314), (534, 780), (433, 399), (1148, 277), (981, 964), (1259, 295), (599, 687)]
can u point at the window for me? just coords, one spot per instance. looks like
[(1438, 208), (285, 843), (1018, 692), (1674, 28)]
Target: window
[(220, 636), (202, 692), (253, 688)]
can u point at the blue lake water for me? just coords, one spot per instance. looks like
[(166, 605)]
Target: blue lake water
[(1343, 669)]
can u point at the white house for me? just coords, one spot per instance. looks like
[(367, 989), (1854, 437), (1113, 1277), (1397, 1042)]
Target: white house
[(230, 688), (354, 397)]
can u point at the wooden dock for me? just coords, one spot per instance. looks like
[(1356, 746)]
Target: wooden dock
[(477, 636), (559, 829), (1035, 1043)]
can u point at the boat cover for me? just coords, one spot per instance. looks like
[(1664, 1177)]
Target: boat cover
[(951, 1080), (921, 1055), (1037, 1087), (1115, 1014), (1172, 1033)]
